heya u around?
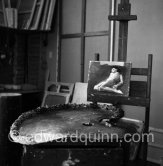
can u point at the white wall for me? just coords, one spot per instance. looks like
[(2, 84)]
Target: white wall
[(146, 36)]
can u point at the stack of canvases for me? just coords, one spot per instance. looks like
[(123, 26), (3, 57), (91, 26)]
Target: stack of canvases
[(8, 14), (32, 14)]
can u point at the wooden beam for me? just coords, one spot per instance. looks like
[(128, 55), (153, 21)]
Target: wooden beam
[(120, 100), (123, 37), (60, 4), (139, 71), (122, 18), (86, 34), (83, 20)]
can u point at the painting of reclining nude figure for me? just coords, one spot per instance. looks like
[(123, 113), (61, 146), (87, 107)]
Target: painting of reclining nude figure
[(109, 78)]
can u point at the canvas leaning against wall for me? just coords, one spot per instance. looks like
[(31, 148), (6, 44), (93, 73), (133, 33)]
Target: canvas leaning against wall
[(108, 78)]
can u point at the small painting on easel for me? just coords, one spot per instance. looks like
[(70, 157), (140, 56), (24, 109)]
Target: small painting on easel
[(109, 78)]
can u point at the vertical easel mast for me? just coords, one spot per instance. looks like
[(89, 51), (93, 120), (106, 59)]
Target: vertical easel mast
[(124, 15), (112, 30)]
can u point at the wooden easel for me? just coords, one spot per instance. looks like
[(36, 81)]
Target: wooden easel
[(124, 15)]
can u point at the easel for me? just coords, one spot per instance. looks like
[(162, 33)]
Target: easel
[(124, 15)]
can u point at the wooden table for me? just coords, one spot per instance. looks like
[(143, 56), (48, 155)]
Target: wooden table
[(71, 122)]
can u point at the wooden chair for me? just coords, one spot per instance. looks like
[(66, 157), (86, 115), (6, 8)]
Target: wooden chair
[(57, 93), (59, 87), (140, 95), (52, 98)]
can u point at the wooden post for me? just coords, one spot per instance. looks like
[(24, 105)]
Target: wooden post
[(147, 110), (124, 10)]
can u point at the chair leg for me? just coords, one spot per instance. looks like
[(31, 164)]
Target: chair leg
[(126, 151), (145, 151)]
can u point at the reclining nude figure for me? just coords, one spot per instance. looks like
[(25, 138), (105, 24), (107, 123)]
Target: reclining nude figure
[(112, 83)]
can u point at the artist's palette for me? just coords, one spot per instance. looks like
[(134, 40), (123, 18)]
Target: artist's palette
[(61, 121)]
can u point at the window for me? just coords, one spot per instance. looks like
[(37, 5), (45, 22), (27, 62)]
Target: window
[(84, 31)]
